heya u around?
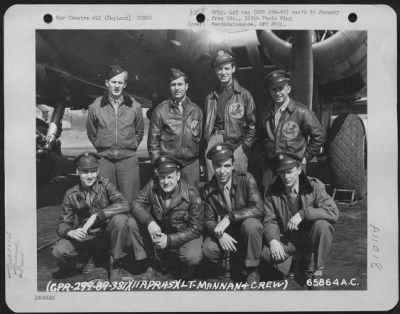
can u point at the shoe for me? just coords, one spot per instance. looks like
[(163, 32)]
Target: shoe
[(89, 267), (117, 272), (252, 275), (313, 276), (188, 272), (150, 274)]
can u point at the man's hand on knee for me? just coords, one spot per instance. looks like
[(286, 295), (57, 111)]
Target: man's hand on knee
[(78, 234), (228, 243), (277, 252)]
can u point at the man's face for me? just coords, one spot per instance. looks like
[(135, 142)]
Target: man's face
[(88, 176), (178, 88), (280, 93), (168, 182), (223, 170), (225, 73), (117, 84), (290, 177)]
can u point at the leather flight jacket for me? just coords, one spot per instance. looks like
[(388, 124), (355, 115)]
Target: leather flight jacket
[(298, 131), (314, 204), (115, 136), (175, 133), (239, 120), (245, 198), (106, 201), (182, 221)]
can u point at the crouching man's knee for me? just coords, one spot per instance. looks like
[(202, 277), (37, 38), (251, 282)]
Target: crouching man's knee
[(191, 253), (63, 251), (118, 222), (322, 226)]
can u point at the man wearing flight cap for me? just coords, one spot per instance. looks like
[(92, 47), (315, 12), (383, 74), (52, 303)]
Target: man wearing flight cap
[(176, 128), (299, 215), (168, 221), (289, 125), (233, 211), (115, 127), (229, 113), (94, 214)]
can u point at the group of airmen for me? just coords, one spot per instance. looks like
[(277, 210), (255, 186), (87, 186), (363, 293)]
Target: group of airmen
[(177, 224)]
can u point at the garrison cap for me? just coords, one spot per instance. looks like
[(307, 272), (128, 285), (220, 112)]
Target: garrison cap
[(175, 74), (287, 161), (222, 57), (87, 160), (165, 164), (220, 152), (113, 71), (277, 78)]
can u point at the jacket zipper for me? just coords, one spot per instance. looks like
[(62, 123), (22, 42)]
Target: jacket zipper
[(116, 131)]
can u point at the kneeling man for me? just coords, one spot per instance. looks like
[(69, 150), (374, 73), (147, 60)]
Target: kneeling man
[(94, 219), (233, 212), (169, 216), (298, 217)]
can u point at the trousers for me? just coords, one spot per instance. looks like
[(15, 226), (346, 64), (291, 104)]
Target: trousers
[(124, 174), (191, 173), (314, 239), (189, 253), (112, 238), (248, 233)]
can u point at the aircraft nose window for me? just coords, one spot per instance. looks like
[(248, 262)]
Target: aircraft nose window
[(200, 17), (352, 17), (48, 18)]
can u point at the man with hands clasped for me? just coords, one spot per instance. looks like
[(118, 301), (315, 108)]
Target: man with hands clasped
[(168, 221)]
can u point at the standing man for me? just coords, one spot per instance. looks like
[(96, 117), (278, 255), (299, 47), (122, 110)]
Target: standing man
[(298, 217), (115, 127), (289, 125), (229, 113), (233, 211), (168, 220), (94, 219), (176, 128)]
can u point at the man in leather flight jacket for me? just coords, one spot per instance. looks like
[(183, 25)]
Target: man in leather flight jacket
[(176, 128), (233, 211), (94, 214), (168, 221), (115, 127), (289, 126), (229, 114)]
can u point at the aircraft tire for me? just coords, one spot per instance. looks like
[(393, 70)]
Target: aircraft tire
[(347, 154)]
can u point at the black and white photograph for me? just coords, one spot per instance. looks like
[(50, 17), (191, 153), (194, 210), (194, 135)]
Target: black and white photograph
[(239, 151)]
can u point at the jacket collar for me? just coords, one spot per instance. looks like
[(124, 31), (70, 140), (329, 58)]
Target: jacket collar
[(290, 107), (236, 87), (305, 187), (126, 100), (181, 191), (214, 183), (185, 102)]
